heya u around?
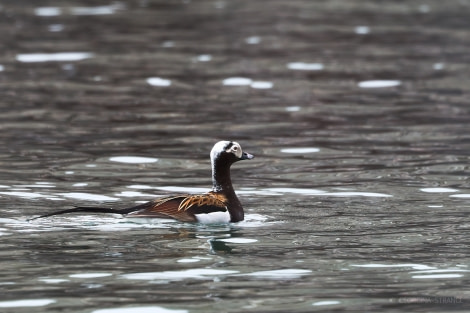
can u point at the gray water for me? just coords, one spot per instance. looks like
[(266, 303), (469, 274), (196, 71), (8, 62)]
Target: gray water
[(357, 113)]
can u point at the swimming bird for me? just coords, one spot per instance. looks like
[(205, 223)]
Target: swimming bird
[(221, 205)]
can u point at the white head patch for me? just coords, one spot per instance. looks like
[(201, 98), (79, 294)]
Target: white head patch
[(221, 146)]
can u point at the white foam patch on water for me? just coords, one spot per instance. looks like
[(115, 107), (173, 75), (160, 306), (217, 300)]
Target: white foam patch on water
[(141, 309), (188, 260), (90, 275), (301, 66), (326, 302), (47, 11), (253, 40), (438, 66), (87, 196), (293, 109), (255, 220), (237, 81), (280, 274), (238, 240), (204, 58), (53, 57), (26, 303), (261, 85), (412, 265), (140, 187), (362, 30), (55, 199), (300, 150), (450, 270), (133, 159), (379, 83), (438, 190), (53, 280), (202, 273), (2, 68), (6, 283), (98, 10), (158, 81), (463, 195)]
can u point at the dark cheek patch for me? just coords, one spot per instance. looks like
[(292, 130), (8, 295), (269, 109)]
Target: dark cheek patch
[(229, 145)]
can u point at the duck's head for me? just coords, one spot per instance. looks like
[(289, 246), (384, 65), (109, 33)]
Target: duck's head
[(229, 151)]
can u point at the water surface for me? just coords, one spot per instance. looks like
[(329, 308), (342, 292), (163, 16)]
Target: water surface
[(357, 113)]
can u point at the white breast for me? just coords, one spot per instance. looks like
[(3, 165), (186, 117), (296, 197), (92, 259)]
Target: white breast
[(214, 218)]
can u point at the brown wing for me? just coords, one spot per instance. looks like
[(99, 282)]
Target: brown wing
[(183, 208)]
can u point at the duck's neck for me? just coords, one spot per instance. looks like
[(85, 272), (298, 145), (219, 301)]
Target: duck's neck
[(221, 182), (221, 178)]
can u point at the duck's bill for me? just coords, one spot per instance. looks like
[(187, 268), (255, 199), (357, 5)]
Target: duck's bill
[(247, 156)]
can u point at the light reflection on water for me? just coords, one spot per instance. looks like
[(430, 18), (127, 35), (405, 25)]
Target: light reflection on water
[(237, 81), (139, 309), (362, 30), (133, 159), (57, 57), (379, 83), (97, 10), (157, 81), (357, 199), (26, 303), (305, 66), (178, 189)]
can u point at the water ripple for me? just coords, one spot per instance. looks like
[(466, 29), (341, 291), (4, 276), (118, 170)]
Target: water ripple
[(202, 273)]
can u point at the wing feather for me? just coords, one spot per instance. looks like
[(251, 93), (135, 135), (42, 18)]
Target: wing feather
[(210, 199), (183, 207)]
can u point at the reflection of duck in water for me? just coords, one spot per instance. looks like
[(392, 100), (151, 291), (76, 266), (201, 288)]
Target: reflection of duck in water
[(220, 205)]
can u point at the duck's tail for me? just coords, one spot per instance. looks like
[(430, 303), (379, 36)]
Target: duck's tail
[(91, 210)]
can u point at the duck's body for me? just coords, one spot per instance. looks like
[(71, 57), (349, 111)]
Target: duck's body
[(221, 205), (203, 208)]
